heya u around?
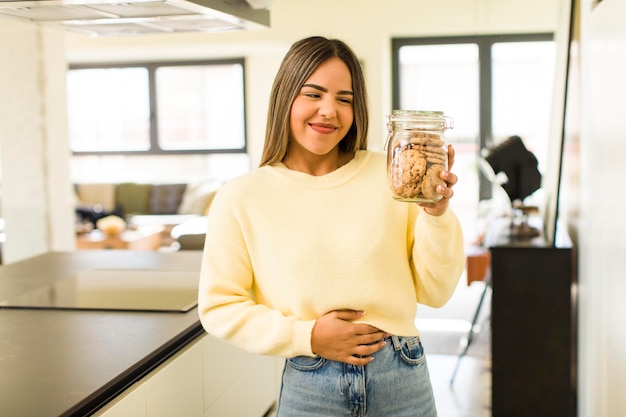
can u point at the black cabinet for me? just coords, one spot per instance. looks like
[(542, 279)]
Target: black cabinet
[(533, 327)]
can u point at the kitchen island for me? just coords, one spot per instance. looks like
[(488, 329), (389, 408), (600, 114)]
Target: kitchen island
[(79, 362)]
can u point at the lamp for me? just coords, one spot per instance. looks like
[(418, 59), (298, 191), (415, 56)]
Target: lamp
[(514, 168)]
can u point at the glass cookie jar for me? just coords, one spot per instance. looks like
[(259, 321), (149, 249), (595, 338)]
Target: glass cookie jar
[(416, 154)]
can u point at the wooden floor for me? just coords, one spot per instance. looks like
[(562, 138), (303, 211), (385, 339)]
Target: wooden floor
[(470, 395)]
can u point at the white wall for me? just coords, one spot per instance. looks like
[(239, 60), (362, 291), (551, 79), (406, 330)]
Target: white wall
[(36, 201), (602, 226)]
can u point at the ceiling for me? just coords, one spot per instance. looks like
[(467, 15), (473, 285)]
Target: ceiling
[(116, 17)]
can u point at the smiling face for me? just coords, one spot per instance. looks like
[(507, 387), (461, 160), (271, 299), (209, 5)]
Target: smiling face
[(322, 113)]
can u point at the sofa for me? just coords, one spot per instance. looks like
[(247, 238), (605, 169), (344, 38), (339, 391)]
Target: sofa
[(143, 204)]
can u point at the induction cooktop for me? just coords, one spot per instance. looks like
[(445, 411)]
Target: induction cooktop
[(146, 290)]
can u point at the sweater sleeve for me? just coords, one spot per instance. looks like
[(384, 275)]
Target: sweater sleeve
[(226, 302), (438, 257)]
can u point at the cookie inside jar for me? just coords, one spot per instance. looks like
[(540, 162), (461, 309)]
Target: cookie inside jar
[(416, 155)]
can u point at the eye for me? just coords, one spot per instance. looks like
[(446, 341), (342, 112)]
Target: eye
[(312, 95), (345, 100)]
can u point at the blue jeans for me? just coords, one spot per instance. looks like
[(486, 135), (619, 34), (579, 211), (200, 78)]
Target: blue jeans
[(395, 384)]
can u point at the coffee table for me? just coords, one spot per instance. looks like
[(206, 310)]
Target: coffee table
[(141, 238)]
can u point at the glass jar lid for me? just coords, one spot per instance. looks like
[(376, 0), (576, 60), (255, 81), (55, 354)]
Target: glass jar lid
[(418, 119)]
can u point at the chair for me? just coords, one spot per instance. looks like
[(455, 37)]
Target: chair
[(190, 235)]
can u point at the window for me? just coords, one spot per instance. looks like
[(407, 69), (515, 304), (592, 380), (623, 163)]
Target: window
[(492, 86), (109, 109), (157, 108)]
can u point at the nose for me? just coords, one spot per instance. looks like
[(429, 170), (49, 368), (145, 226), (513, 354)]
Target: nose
[(328, 108)]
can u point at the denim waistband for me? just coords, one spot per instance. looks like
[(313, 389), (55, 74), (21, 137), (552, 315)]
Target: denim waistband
[(396, 342)]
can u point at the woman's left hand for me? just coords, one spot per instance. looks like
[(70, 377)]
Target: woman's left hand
[(440, 207)]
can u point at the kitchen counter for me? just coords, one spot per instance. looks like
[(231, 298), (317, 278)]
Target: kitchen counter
[(72, 362)]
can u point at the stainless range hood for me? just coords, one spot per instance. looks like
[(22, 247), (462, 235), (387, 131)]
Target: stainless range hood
[(116, 17)]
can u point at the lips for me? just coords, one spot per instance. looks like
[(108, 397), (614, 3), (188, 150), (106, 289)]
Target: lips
[(323, 128)]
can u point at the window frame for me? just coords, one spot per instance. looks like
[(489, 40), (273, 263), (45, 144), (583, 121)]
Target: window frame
[(152, 68)]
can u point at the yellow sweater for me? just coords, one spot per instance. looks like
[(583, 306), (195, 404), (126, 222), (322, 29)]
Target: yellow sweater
[(283, 248)]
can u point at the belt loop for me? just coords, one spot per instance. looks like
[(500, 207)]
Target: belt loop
[(395, 340)]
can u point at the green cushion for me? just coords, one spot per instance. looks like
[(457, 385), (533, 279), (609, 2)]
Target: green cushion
[(133, 198)]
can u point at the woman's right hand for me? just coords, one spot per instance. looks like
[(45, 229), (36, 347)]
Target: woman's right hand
[(335, 337)]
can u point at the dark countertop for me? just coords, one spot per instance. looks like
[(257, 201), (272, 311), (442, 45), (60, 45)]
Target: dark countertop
[(71, 362)]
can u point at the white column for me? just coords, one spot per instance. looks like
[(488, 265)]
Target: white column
[(34, 159)]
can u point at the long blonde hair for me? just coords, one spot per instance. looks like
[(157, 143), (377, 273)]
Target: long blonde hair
[(299, 63)]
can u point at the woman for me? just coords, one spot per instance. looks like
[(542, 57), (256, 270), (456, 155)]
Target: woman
[(309, 257)]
